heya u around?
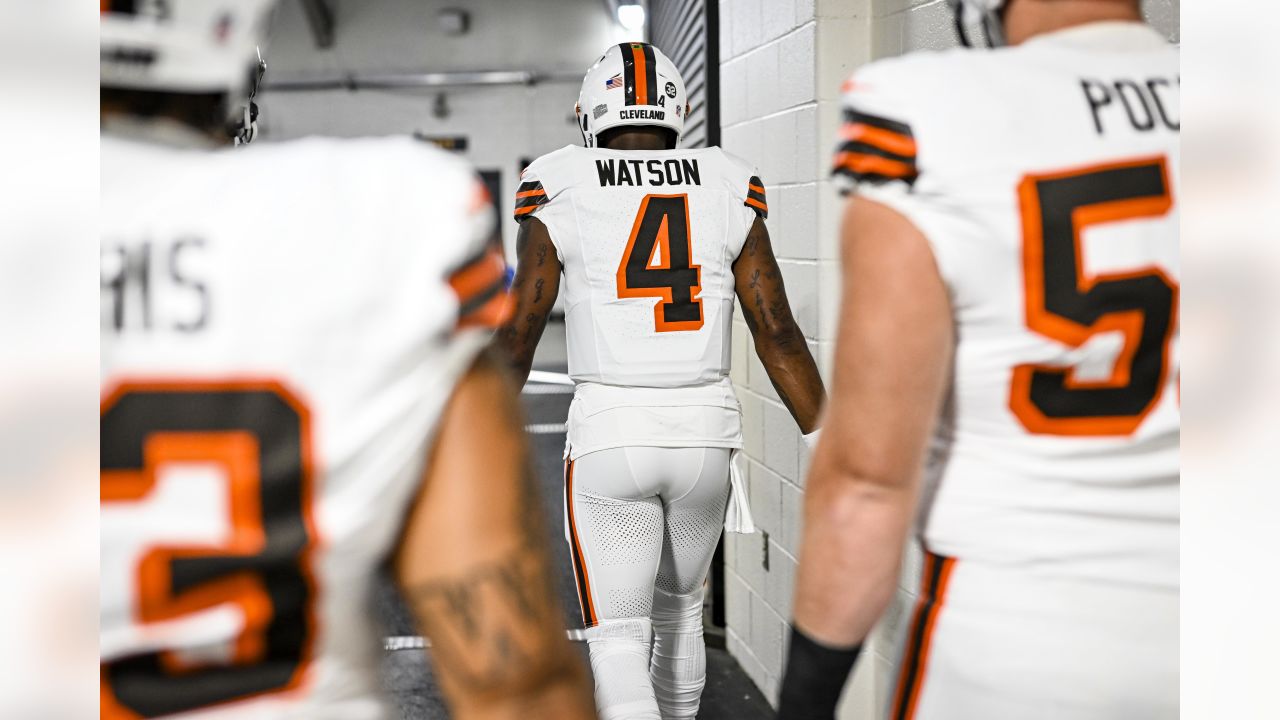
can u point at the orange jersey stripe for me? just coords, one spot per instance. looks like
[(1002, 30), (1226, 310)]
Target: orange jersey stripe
[(479, 276), (756, 203), (531, 193), (879, 137), (757, 188), (524, 210), (863, 163)]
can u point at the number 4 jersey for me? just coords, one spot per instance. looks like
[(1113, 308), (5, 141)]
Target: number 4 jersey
[(647, 240), (282, 327), (1045, 178)]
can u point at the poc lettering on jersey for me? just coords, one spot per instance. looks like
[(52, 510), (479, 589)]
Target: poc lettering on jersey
[(1144, 104), (634, 173)]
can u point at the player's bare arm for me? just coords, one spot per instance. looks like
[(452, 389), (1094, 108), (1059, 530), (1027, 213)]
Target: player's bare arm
[(473, 565), (534, 291), (778, 339), (892, 357)]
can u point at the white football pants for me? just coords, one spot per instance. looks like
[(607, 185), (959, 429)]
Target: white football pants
[(642, 524)]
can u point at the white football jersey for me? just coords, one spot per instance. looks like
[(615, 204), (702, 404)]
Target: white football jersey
[(1046, 179), (282, 327), (647, 240)]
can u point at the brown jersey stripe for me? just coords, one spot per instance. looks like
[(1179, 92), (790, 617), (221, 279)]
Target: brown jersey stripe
[(531, 193), (933, 588), (862, 166), (761, 209), (857, 117), (530, 185), (575, 556)]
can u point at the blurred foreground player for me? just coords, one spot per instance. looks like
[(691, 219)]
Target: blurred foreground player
[(294, 393), (1011, 290), (653, 242)]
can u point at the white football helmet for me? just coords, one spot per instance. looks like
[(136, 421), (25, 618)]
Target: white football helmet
[(186, 46), (969, 13), (631, 84)]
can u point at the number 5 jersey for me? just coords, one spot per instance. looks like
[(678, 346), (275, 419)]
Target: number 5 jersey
[(1045, 178)]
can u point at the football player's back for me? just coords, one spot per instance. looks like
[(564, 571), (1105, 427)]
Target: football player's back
[(294, 395), (1050, 205), (1017, 210), (647, 239)]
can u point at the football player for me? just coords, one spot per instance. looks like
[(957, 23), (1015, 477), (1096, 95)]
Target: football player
[(293, 394), (1010, 256), (653, 244)]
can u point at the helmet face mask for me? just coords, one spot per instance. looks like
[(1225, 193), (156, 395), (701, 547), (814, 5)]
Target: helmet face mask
[(987, 13), (632, 84)]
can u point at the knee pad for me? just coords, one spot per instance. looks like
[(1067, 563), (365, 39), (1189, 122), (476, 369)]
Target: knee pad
[(679, 664), (619, 651)]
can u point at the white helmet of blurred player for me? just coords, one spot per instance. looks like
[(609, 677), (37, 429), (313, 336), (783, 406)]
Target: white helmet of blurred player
[(987, 13), (632, 84), (188, 47)]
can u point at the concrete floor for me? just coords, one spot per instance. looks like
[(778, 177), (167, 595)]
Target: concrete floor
[(729, 694)]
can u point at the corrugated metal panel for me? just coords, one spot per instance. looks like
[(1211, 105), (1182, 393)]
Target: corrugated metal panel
[(687, 31)]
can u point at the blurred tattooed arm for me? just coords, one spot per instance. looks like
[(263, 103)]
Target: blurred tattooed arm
[(473, 565)]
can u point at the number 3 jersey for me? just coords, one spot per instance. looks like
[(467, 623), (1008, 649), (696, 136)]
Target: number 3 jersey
[(647, 240), (282, 327), (1045, 179)]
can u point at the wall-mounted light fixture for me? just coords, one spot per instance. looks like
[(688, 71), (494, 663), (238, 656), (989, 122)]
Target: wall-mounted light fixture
[(631, 17)]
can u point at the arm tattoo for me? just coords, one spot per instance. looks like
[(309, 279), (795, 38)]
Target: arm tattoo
[(481, 620)]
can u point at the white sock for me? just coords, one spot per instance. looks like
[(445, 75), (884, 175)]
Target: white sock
[(679, 664), (619, 661)]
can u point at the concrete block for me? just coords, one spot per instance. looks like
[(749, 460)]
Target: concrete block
[(929, 27), (781, 441), (747, 32), (751, 665), (797, 72), (806, 145), (766, 637), (777, 18), (830, 285), (842, 45), (886, 36), (766, 502), (805, 11), (793, 222), (780, 581), (737, 600), (801, 280), (792, 519), (733, 92), (762, 81), (777, 160)]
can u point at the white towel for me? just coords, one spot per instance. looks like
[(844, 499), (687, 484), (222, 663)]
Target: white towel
[(737, 518)]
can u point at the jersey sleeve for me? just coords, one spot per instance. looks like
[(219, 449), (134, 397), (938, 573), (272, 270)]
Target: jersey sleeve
[(531, 194), (480, 281), (877, 145), (889, 109), (755, 197)]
